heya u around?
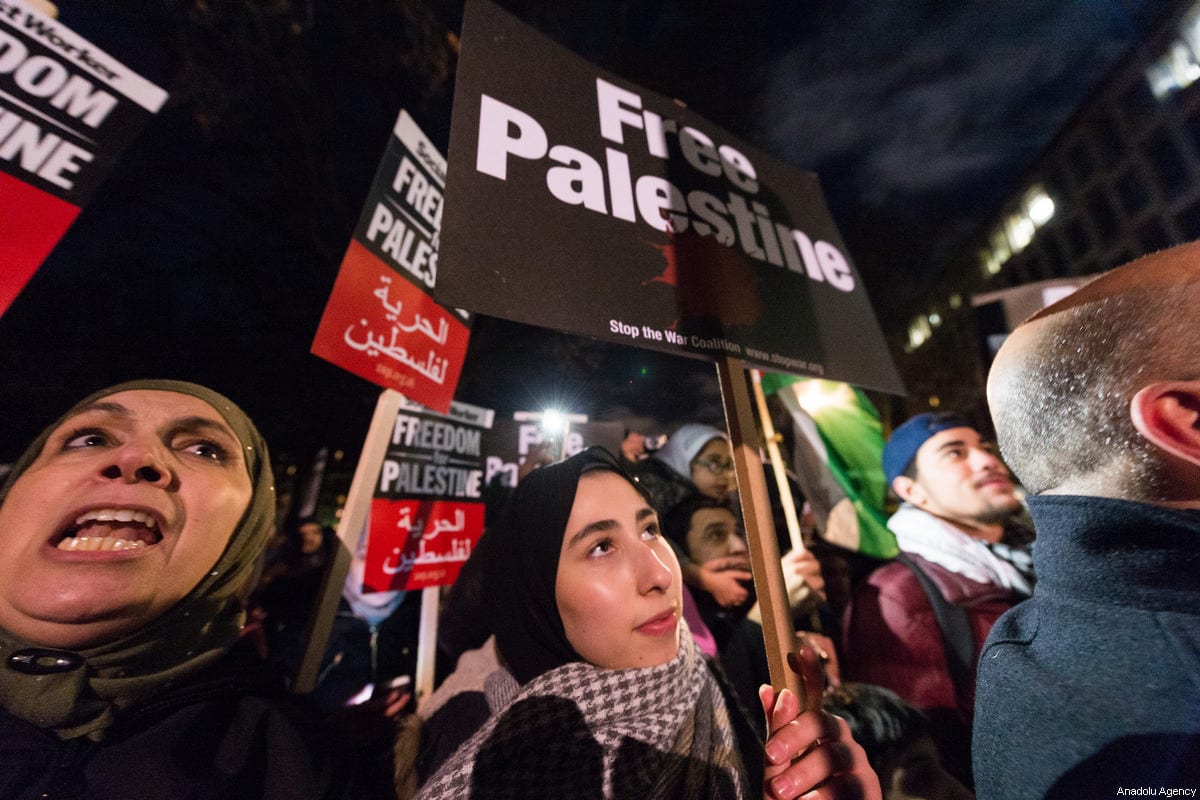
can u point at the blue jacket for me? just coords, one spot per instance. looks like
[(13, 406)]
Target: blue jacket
[(1093, 685)]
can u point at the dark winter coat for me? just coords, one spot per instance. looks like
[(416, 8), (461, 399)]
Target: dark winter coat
[(1093, 685)]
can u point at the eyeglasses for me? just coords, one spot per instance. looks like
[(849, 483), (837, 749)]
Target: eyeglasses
[(715, 465)]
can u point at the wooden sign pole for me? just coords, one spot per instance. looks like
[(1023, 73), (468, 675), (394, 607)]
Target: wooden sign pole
[(431, 601), (350, 528), (778, 633), (772, 442)]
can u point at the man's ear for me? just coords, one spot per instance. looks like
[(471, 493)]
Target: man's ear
[(1168, 415), (904, 487)]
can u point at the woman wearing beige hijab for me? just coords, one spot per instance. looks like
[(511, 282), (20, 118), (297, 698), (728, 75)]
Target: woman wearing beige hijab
[(131, 531)]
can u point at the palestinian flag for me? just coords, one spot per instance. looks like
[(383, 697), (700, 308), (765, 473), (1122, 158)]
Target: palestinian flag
[(837, 459)]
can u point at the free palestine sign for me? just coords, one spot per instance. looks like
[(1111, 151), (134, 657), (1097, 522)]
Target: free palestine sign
[(579, 201), (380, 322)]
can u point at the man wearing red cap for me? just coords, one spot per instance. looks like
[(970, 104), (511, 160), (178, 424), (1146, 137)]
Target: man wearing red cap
[(917, 625)]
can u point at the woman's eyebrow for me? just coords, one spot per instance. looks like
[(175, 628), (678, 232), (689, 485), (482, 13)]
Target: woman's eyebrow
[(105, 406), (194, 422), (202, 422), (605, 525), (592, 527)]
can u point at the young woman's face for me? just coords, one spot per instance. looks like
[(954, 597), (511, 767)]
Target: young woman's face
[(714, 534), (131, 501), (712, 470), (618, 582)]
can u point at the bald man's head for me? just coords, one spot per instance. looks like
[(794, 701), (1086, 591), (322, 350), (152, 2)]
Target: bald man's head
[(1061, 387)]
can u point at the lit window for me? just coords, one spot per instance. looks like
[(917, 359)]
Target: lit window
[(1189, 30), (919, 332), (1000, 250), (1183, 65), (1020, 232), (1039, 207), (1160, 80), (1179, 67), (956, 301), (1017, 231), (991, 264)]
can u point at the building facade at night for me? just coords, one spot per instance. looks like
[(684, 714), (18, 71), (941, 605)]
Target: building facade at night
[(1119, 180)]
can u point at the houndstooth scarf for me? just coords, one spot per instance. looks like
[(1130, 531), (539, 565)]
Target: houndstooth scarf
[(582, 731)]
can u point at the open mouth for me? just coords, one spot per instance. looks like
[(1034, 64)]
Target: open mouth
[(110, 529)]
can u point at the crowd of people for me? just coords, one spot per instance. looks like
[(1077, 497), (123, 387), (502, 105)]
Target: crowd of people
[(1037, 637)]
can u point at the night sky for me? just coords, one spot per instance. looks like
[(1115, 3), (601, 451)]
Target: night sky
[(210, 251)]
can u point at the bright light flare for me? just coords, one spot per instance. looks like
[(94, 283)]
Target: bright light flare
[(554, 422), (815, 395)]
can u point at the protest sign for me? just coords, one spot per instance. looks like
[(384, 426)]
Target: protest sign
[(510, 440), (380, 322), (428, 511), (648, 225), (67, 110), (644, 223), (434, 479)]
